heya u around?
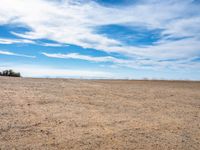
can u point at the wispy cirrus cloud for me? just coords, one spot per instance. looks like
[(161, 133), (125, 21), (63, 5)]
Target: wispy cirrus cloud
[(77, 22), (52, 44), (136, 63), (8, 41), (83, 57), (2, 52), (15, 41)]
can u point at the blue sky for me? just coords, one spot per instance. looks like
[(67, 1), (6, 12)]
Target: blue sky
[(127, 39)]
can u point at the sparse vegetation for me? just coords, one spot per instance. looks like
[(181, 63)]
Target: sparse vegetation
[(10, 73)]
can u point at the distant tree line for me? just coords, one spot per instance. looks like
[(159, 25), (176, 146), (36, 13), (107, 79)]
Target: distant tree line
[(10, 73)]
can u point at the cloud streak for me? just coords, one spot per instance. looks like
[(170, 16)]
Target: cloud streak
[(15, 41), (136, 63), (15, 54), (8, 41), (84, 57)]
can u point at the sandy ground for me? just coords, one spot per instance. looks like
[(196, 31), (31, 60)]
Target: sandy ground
[(82, 114)]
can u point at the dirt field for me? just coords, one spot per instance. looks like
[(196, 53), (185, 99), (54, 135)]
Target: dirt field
[(91, 114)]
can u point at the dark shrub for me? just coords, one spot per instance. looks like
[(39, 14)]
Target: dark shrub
[(10, 73)]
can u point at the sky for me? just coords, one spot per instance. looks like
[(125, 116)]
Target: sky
[(104, 39)]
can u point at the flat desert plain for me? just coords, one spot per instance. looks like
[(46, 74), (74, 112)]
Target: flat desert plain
[(99, 114)]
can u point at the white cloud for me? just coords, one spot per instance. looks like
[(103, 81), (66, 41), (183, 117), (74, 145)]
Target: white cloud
[(75, 22), (15, 54), (14, 41), (26, 41), (53, 44), (84, 57), (136, 63)]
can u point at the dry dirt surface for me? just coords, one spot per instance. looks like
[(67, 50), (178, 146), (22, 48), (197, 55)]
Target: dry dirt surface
[(99, 114)]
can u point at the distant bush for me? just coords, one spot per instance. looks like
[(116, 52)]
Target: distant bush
[(10, 73)]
